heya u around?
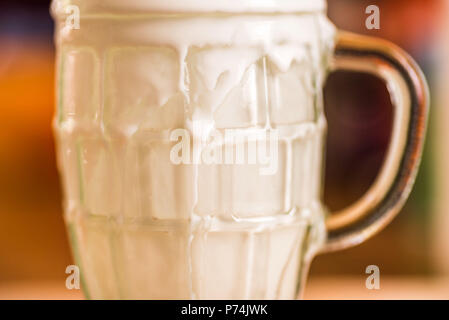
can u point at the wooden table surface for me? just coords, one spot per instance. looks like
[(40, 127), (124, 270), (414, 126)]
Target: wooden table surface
[(317, 288)]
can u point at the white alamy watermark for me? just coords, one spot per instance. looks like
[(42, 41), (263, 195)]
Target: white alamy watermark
[(373, 20), (71, 13), (73, 280), (228, 146), (373, 280), (73, 19)]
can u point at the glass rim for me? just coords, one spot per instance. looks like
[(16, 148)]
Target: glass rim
[(61, 8)]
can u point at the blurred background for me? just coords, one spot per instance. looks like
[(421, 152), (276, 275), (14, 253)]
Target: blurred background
[(34, 250)]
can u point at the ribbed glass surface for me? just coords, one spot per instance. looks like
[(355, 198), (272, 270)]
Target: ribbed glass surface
[(144, 227)]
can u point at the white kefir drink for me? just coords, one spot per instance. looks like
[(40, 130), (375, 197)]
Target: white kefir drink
[(148, 216)]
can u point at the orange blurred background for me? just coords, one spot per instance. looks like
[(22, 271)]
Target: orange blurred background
[(33, 242)]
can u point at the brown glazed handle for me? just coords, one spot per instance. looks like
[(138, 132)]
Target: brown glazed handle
[(410, 98)]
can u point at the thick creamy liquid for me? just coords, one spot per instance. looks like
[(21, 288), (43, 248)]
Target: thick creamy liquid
[(207, 259), (143, 227)]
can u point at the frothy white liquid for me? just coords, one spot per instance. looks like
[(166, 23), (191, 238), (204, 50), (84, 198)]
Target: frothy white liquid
[(142, 227)]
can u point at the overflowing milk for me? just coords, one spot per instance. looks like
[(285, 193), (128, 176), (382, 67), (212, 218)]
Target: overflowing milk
[(143, 226)]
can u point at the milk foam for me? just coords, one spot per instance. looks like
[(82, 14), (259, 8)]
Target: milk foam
[(195, 6), (234, 43)]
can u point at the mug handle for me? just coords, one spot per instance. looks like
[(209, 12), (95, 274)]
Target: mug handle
[(410, 98)]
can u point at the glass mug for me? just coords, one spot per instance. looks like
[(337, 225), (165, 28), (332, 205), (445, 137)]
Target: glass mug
[(139, 80)]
